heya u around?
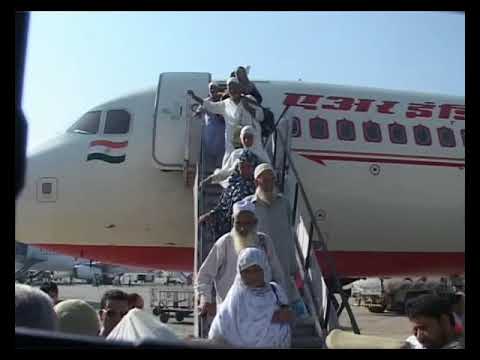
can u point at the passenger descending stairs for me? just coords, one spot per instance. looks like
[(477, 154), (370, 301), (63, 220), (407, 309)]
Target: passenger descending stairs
[(303, 332), (309, 332)]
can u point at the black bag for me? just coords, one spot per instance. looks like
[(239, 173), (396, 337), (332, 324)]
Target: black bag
[(268, 123)]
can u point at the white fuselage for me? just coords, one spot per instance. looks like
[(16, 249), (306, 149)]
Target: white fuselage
[(377, 198)]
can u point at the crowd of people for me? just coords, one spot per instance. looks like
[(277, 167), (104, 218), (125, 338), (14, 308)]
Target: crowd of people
[(121, 316), (254, 313), (246, 284)]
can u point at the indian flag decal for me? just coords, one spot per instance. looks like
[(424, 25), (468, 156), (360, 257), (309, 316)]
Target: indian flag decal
[(108, 151)]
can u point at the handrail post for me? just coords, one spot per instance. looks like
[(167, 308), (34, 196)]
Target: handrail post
[(310, 236), (188, 139), (284, 167), (275, 148), (295, 203), (327, 314)]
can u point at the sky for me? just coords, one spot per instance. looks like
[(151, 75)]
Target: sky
[(77, 60)]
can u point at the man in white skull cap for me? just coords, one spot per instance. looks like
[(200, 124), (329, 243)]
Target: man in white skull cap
[(213, 132), (273, 214), (220, 266), (238, 111)]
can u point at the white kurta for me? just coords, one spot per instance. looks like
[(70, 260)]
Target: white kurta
[(236, 117), (220, 267)]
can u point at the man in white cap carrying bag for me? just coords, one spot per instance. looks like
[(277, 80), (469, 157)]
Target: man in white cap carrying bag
[(237, 111), (220, 266), (273, 214)]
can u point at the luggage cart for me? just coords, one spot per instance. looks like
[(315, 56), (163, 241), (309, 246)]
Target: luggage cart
[(177, 302)]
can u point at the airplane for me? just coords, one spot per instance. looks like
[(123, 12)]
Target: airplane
[(28, 257), (34, 258), (383, 169)]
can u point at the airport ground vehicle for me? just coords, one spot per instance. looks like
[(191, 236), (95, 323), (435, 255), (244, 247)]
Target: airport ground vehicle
[(178, 300)]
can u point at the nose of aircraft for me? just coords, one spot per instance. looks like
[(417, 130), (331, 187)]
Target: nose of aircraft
[(40, 192)]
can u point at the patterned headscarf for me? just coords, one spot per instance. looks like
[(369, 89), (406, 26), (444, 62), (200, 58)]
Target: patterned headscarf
[(238, 188), (249, 157)]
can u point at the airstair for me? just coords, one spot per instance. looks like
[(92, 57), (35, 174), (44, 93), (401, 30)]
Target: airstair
[(318, 294)]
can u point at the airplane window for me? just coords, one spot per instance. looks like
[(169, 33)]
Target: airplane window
[(319, 128), (88, 123), (422, 135), (372, 132), (46, 188), (462, 132), (446, 137), (346, 130), (296, 129), (117, 122), (398, 134)]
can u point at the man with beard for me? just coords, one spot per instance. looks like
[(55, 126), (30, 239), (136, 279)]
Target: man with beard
[(273, 213), (220, 266)]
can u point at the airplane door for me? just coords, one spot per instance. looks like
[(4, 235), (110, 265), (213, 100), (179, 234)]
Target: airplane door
[(170, 117)]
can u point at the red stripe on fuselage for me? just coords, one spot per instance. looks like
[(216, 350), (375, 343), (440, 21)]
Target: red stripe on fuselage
[(348, 263), (110, 144), (320, 159), (376, 154)]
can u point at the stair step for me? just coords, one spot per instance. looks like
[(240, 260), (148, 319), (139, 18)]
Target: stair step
[(304, 327), (303, 332), (308, 321), (309, 342)]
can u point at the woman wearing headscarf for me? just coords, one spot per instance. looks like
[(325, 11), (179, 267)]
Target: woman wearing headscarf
[(138, 326), (248, 87), (247, 137), (248, 317), (240, 185)]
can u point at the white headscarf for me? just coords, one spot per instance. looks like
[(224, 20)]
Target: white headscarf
[(244, 318), (247, 130), (139, 325)]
